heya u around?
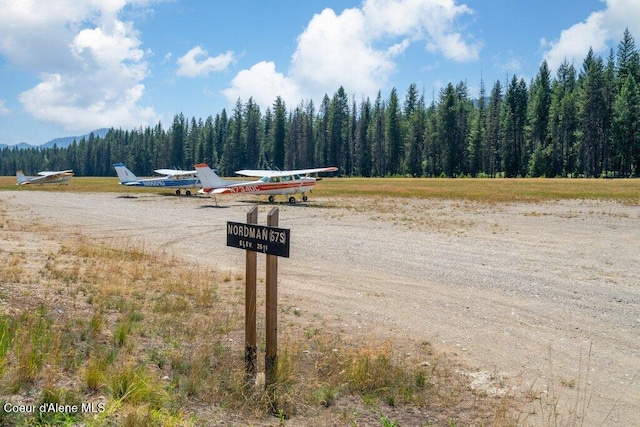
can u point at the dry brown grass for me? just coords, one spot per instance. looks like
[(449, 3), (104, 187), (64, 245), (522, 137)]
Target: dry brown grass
[(486, 190), (149, 340)]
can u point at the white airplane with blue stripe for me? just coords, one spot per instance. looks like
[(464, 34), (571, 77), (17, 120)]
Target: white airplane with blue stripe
[(169, 178)]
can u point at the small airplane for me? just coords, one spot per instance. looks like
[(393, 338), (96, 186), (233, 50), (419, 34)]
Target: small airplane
[(271, 182), (170, 178), (44, 177)]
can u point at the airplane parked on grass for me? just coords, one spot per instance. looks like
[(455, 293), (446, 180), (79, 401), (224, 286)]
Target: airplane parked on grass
[(271, 182), (170, 178), (44, 177)]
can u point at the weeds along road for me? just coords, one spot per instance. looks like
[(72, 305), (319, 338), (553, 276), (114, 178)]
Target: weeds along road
[(545, 298)]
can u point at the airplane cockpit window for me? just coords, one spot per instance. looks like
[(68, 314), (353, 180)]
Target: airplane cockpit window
[(264, 179), (274, 179)]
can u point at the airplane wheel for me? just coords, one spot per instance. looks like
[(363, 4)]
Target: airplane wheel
[(292, 200), (304, 198), (177, 192), (188, 193), (271, 199)]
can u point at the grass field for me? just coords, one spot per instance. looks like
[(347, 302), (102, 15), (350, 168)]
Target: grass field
[(497, 190)]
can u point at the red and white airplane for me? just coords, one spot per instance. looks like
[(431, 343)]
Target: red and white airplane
[(271, 182)]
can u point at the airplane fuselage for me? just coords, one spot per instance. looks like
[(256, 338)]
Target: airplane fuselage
[(161, 182), (300, 185), (60, 180)]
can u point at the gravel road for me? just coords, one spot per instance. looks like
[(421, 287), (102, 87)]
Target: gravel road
[(541, 299)]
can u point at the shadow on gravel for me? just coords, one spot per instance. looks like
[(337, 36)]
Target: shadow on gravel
[(212, 207), (301, 205)]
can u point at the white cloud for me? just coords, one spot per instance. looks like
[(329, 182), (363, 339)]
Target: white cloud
[(90, 62), (336, 50), (511, 66), (196, 63), (3, 109), (357, 49), (58, 100), (430, 20), (600, 31), (574, 42), (264, 84)]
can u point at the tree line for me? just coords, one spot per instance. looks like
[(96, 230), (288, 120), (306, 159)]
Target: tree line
[(582, 122)]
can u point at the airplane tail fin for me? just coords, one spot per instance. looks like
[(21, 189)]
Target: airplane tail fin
[(209, 179), (21, 178), (124, 174)]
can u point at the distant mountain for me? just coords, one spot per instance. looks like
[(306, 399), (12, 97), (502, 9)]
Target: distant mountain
[(63, 142)]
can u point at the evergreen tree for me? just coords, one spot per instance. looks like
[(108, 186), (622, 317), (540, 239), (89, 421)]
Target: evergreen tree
[(265, 147), (393, 134), (378, 132), (295, 138), (339, 130), (628, 59), (234, 151), (494, 131), (252, 122), (515, 123), (322, 146), (310, 136), (626, 126), (592, 115), (609, 94), (432, 147), (415, 120), (563, 121), (448, 130), (209, 154), (478, 134), (464, 107), (279, 132), (177, 141), (221, 127), (362, 152), (538, 120)]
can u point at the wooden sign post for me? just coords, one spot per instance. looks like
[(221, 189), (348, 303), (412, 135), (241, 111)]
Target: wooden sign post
[(274, 242), (251, 352), (271, 356)]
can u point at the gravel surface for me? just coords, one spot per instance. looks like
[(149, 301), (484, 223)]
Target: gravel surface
[(537, 299)]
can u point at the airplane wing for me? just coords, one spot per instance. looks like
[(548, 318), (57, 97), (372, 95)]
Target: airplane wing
[(45, 174), (175, 172), (270, 173)]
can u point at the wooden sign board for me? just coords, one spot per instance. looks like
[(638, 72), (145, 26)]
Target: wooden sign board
[(259, 238)]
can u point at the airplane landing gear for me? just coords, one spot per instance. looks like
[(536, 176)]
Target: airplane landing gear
[(271, 199), (177, 192), (292, 200), (304, 198)]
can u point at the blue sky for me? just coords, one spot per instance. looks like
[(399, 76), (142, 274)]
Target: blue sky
[(71, 66)]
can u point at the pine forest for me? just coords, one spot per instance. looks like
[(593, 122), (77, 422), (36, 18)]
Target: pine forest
[(579, 122)]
